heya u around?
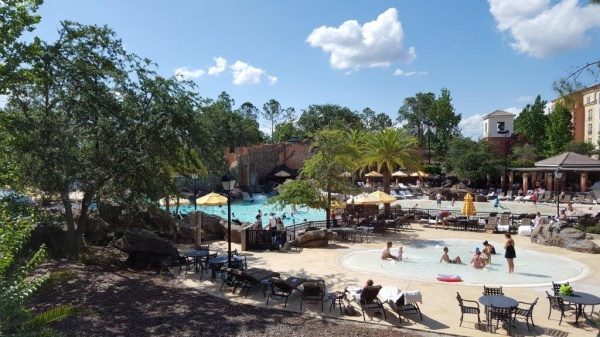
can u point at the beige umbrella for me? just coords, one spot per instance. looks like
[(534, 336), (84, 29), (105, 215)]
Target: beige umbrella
[(374, 174), (399, 174), (173, 201), (282, 174), (419, 174), (381, 197), (358, 199), (336, 204)]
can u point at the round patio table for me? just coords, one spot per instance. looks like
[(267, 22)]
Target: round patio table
[(498, 301), (197, 255), (581, 299)]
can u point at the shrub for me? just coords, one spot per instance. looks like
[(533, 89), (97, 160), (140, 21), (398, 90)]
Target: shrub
[(18, 281)]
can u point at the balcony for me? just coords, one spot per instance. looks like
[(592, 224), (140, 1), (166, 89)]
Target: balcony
[(590, 102)]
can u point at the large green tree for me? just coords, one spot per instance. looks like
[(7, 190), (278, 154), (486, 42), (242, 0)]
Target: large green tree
[(444, 121), (472, 160), (95, 116), (532, 123), (374, 121), (559, 131), (327, 116), (387, 150), (414, 114), (274, 113)]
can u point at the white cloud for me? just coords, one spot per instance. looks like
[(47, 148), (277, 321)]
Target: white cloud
[(513, 110), (219, 67), (244, 74), (472, 126), (376, 43), (400, 72), (541, 29), (184, 73)]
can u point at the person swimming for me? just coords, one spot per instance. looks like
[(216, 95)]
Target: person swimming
[(446, 258)]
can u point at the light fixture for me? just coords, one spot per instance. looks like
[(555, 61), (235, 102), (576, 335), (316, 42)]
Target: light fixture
[(228, 182)]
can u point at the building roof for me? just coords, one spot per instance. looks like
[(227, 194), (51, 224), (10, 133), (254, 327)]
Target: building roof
[(569, 160), (499, 113)]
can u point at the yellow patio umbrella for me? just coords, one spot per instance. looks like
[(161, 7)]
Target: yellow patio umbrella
[(336, 204), (468, 207), (374, 174), (380, 197), (211, 199), (419, 174)]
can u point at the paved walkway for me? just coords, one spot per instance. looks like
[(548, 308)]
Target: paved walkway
[(440, 309)]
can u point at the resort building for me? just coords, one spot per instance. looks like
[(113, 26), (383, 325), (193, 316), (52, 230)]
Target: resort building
[(585, 109), (498, 129)]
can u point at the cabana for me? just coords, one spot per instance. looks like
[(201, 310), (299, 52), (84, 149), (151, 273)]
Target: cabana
[(577, 171)]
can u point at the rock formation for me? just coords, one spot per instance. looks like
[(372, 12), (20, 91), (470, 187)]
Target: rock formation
[(562, 234)]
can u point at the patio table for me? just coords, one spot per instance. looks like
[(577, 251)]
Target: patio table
[(197, 254), (581, 299), (220, 261), (498, 301)]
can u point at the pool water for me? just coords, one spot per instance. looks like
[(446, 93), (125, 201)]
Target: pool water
[(246, 211), (423, 256)]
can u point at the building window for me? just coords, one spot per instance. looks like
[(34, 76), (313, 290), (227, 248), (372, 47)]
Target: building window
[(485, 127), (589, 129), (589, 115), (587, 99)]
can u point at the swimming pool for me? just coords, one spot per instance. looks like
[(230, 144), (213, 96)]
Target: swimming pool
[(246, 211), (423, 256)]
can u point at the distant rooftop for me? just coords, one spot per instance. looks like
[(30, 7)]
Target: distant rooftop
[(498, 113)]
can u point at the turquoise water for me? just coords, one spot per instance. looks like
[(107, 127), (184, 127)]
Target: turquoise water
[(246, 211), (423, 264)]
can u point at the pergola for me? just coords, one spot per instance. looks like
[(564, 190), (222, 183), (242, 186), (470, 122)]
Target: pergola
[(570, 164)]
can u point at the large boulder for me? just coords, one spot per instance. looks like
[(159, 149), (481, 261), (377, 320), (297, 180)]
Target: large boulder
[(562, 235), (315, 238), (98, 231), (144, 248), (211, 228)]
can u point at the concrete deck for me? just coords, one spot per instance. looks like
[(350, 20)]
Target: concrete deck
[(440, 308)]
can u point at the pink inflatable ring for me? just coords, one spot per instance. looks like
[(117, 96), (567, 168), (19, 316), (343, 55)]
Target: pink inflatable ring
[(448, 278)]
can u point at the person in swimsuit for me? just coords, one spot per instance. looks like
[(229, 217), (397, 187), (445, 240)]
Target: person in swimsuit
[(509, 252), (488, 250), (477, 261), (446, 258), (386, 253)]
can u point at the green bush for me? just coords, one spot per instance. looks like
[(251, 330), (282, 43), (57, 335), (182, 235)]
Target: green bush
[(18, 281), (590, 229)]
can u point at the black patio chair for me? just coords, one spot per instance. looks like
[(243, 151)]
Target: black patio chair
[(314, 292), (556, 287), (402, 308), (492, 290), (369, 302), (232, 277), (526, 312), (557, 303), (499, 314), (467, 309), (204, 265)]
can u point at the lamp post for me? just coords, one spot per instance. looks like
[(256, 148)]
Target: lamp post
[(228, 183), (557, 176), (504, 132)]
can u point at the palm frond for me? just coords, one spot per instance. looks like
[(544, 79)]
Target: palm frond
[(51, 315)]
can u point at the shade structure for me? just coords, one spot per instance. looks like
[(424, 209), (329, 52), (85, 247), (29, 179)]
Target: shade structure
[(345, 174), (173, 201), (336, 204), (381, 197), (374, 174), (419, 174), (212, 199), (468, 207), (399, 174), (359, 199), (282, 174)]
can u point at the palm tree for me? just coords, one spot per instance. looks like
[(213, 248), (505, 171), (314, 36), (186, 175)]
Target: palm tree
[(387, 150)]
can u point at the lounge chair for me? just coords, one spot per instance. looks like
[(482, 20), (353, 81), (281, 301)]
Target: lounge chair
[(468, 309), (492, 224), (368, 301), (313, 292), (579, 198), (527, 313), (407, 307), (565, 199), (281, 289), (408, 194), (251, 277)]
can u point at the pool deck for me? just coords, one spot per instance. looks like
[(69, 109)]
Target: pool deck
[(440, 309)]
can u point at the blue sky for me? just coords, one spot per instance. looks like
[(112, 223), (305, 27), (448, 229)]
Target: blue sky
[(495, 54)]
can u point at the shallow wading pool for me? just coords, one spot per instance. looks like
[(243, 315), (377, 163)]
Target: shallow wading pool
[(422, 263)]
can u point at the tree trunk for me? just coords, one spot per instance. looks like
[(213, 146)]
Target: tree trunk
[(167, 204), (328, 209), (387, 178), (72, 237), (177, 206)]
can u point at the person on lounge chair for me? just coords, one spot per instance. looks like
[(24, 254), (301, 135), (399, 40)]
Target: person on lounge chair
[(447, 259), (386, 253)]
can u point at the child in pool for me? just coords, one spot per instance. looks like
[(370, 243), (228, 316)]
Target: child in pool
[(400, 252)]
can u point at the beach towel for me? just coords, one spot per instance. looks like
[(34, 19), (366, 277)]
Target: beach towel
[(412, 296)]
